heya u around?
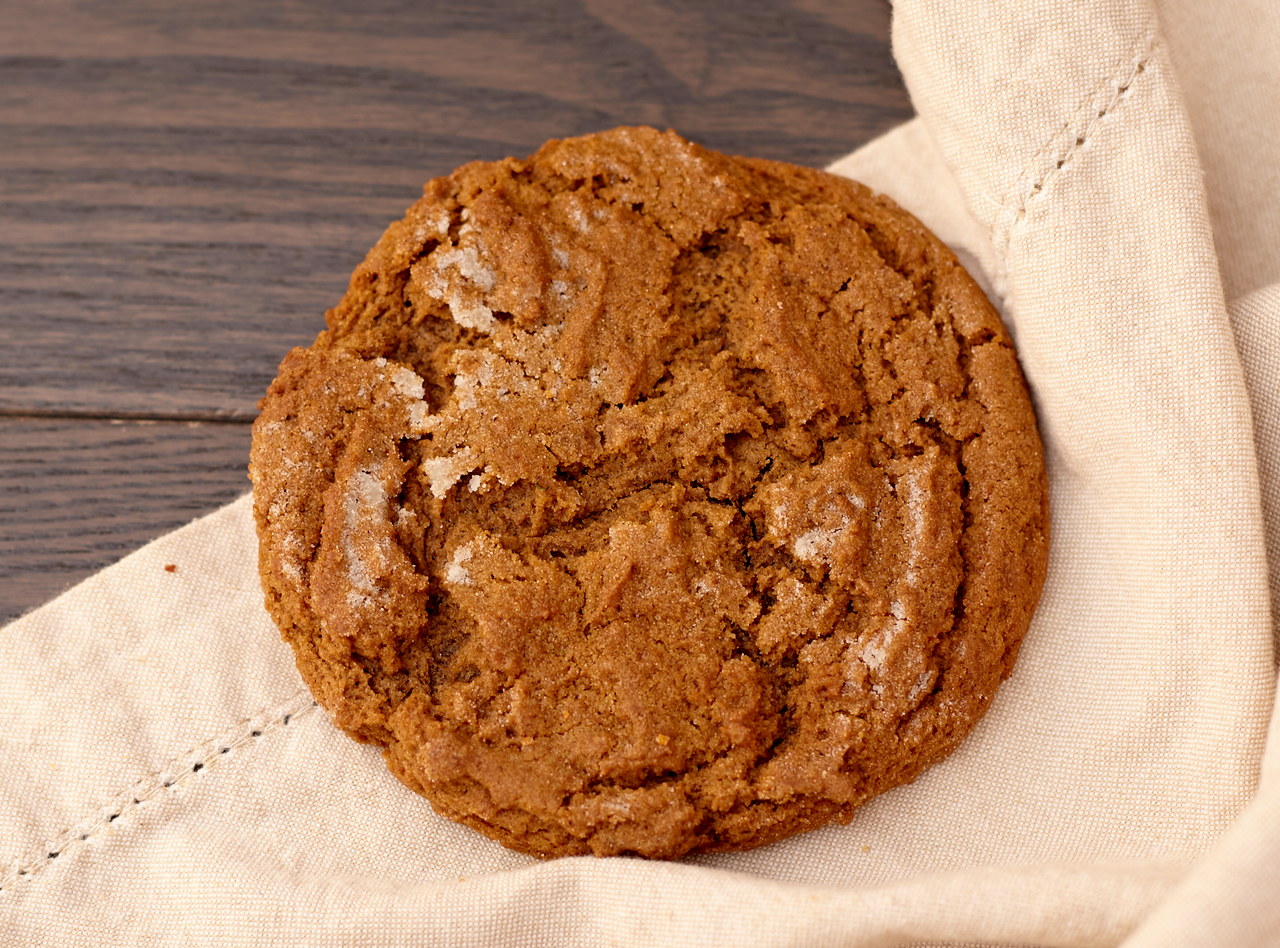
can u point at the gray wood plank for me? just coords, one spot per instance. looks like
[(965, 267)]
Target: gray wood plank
[(77, 495)]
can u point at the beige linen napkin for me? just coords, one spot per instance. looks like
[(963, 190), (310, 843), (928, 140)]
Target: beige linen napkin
[(164, 778)]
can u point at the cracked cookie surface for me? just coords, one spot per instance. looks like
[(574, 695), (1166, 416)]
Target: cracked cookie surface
[(640, 499)]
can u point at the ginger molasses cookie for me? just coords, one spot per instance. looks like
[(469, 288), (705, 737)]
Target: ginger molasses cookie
[(641, 499)]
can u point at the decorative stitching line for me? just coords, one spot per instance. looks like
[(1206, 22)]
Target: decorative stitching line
[(184, 767), (1062, 147)]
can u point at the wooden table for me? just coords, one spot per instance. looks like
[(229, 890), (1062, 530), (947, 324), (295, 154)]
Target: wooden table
[(185, 186)]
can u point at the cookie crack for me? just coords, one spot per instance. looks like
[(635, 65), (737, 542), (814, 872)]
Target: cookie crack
[(955, 450)]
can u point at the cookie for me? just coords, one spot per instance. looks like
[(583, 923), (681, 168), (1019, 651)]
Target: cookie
[(640, 499)]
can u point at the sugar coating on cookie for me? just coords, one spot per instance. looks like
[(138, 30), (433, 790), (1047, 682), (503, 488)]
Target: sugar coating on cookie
[(641, 499)]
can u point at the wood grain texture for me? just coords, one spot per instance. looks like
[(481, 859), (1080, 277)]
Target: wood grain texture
[(76, 494), (185, 187)]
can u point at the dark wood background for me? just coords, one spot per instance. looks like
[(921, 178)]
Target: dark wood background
[(185, 186)]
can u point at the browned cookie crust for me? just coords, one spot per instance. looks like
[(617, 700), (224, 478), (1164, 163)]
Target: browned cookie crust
[(640, 499)]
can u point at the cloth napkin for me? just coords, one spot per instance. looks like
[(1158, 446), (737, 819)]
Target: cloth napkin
[(1107, 169)]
